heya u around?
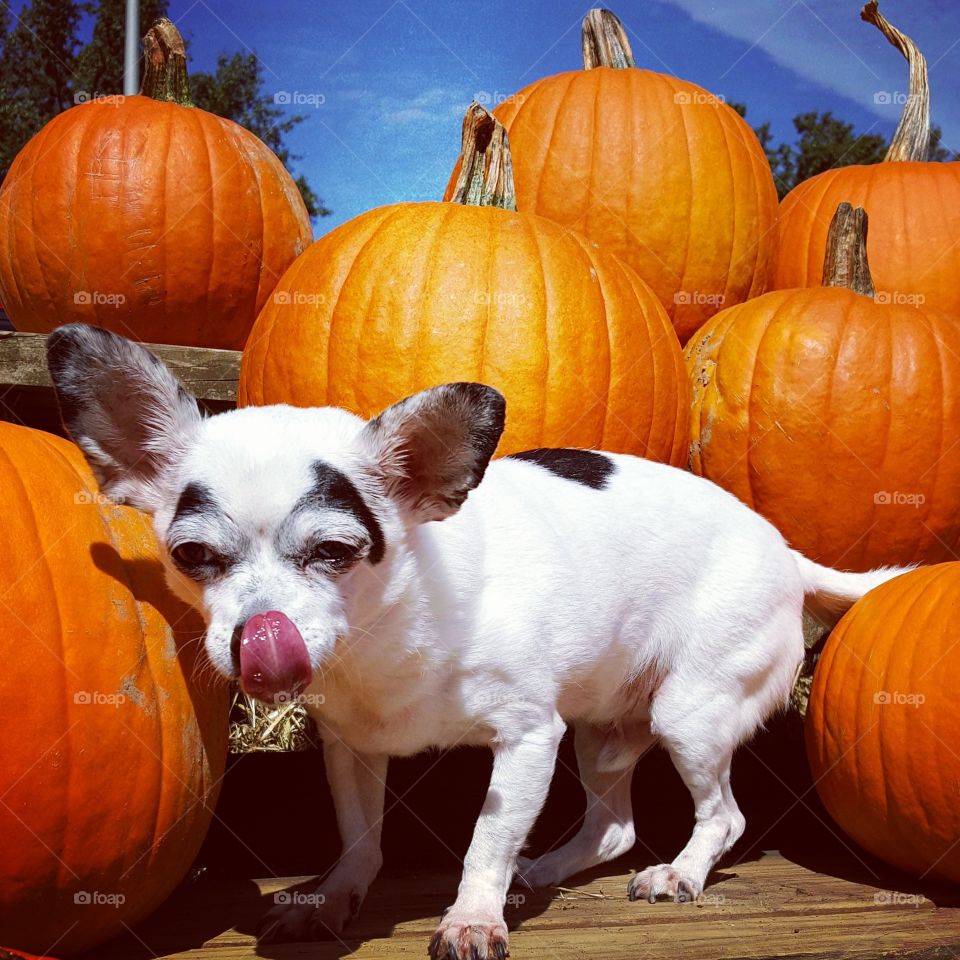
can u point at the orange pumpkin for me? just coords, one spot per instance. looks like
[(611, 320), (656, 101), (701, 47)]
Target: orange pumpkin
[(147, 216), (914, 206), (882, 727), (408, 296), (834, 415), (653, 168), (112, 750)]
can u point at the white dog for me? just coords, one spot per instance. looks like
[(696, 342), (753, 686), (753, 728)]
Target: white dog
[(632, 600)]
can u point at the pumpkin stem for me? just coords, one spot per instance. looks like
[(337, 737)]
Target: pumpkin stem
[(845, 264), (165, 65), (911, 141), (605, 42), (486, 169)]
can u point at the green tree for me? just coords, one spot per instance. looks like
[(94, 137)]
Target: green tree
[(47, 69), (40, 57), (100, 63), (235, 91), (824, 142)]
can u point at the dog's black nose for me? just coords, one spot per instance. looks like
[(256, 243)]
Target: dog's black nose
[(235, 648)]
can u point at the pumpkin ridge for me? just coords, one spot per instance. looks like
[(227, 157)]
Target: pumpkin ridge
[(732, 259), (688, 239), (548, 146), (426, 291), (592, 265), (757, 276), (748, 406), (531, 230), (31, 219), (266, 276), (159, 727), (33, 527), (388, 216)]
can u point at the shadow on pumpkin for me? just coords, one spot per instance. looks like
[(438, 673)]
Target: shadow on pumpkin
[(146, 582)]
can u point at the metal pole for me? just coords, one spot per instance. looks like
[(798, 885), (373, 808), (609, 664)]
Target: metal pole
[(131, 49)]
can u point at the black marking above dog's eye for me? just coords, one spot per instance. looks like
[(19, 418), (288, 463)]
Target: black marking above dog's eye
[(195, 499), (334, 490), (588, 467)]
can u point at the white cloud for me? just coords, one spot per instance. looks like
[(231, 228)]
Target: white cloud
[(827, 44)]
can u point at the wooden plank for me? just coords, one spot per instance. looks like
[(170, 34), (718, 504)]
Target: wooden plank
[(768, 907), (207, 374)]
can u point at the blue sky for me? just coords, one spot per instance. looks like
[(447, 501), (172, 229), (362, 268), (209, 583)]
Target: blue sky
[(386, 82)]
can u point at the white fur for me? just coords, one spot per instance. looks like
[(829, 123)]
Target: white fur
[(659, 608)]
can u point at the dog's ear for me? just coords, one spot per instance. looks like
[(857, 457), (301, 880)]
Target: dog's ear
[(433, 448), (123, 408)]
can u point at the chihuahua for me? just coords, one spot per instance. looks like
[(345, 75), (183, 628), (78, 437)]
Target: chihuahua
[(416, 595)]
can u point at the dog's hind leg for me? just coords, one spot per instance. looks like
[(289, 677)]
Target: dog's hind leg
[(701, 715), (606, 761)]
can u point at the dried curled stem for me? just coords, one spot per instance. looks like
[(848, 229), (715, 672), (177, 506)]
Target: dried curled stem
[(911, 141)]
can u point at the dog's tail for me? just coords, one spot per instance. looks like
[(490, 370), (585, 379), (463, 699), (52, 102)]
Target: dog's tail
[(830, 593)]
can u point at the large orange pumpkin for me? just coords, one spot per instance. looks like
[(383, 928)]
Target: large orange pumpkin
[(914, 206), (147, 216), (653, 168), (883, 729), (408, 296), (835, 415), (111, 750)]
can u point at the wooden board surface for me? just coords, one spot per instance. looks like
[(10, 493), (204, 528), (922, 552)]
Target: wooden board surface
[(207, 374), (768, 907)]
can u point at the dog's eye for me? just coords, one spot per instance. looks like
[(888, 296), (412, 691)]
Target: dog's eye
[(193, 554), (332, 553)]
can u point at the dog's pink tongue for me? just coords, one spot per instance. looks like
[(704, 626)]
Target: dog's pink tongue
[(273, 657)]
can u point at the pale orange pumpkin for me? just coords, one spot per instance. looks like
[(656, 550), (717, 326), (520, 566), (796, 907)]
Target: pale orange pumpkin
[(112, 749), (834, 414), (416, 294), (653, 168), (882, 726), (914, 206), (147, 216)]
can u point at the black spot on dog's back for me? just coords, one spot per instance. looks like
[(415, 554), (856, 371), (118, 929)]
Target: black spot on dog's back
[(588, 467)]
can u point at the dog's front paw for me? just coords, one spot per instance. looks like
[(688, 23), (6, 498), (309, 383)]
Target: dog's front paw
[(297, 917), (663, 882), (462, 937)]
